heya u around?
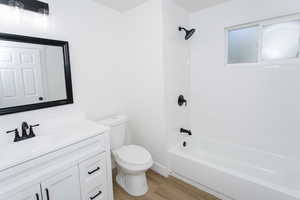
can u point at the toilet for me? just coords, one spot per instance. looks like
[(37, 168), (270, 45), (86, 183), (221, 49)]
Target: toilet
[(132, 160)]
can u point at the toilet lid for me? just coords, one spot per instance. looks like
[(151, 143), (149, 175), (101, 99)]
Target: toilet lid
[(133, 154)]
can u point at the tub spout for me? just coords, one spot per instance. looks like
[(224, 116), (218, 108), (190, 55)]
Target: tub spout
[(185, 131)]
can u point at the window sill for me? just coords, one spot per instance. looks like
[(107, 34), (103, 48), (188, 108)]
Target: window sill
[(268, 64)]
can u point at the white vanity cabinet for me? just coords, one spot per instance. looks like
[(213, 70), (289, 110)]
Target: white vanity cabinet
[(75, 168)]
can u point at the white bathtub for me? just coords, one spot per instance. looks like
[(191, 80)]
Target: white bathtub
[(237, 173)]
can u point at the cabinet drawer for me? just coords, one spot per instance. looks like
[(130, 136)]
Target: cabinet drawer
[(93, 177), (93, 170), (97, 193)]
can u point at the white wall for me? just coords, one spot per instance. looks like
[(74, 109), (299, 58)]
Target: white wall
[(94, 36), (176, 70), (255, 107), (144, 65), (157, 59)]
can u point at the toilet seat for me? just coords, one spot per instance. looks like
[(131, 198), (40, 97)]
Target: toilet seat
[(133, 156)]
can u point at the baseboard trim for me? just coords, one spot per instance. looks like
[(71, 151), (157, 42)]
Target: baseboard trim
[(200, 186), (160, 169)]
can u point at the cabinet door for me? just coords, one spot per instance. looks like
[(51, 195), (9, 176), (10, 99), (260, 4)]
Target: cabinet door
[(31, 193), (63, 186)]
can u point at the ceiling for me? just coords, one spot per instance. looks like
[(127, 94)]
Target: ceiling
[(122, 5), (196, 5), (190, 5)]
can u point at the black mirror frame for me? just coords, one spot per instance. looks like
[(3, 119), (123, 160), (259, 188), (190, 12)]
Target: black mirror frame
[(67, 65)]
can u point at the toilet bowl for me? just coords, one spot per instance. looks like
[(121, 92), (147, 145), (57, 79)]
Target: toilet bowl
[(132, 162)]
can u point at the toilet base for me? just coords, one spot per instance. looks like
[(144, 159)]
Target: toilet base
[(133, 184)]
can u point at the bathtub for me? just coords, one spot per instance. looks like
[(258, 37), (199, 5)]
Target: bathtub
[(234, 172)]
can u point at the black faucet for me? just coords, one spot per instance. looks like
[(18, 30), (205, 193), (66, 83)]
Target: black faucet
[(189, 132), (25, 127), (24, 135)]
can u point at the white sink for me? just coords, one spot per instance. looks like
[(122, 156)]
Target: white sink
[(46, 141)]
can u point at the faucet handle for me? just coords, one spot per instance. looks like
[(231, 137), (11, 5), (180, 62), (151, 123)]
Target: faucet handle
[(32, 126), (17, 136), (31, 133), (13, 131)]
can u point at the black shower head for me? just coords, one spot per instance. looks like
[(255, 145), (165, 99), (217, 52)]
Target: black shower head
[(188, 33)]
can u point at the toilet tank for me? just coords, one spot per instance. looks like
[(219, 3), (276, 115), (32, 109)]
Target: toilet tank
[(117, 134)]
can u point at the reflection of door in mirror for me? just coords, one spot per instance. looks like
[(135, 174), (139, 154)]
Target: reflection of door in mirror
[(20, 75)]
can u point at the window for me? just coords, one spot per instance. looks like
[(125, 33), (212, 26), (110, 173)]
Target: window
[(281, 41), (243, 45), (264, 42)]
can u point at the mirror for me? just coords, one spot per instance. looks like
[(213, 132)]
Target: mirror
[(34, 73)]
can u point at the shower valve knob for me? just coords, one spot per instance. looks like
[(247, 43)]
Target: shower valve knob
[(182, 100)]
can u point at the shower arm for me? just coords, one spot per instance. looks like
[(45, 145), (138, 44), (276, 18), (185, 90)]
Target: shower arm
[(182, 28)]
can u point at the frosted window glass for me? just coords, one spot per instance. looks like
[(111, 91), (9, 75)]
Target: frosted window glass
[(242, 45), (281, 41)]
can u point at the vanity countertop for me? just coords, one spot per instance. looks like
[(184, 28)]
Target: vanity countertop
[(49, 139)]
